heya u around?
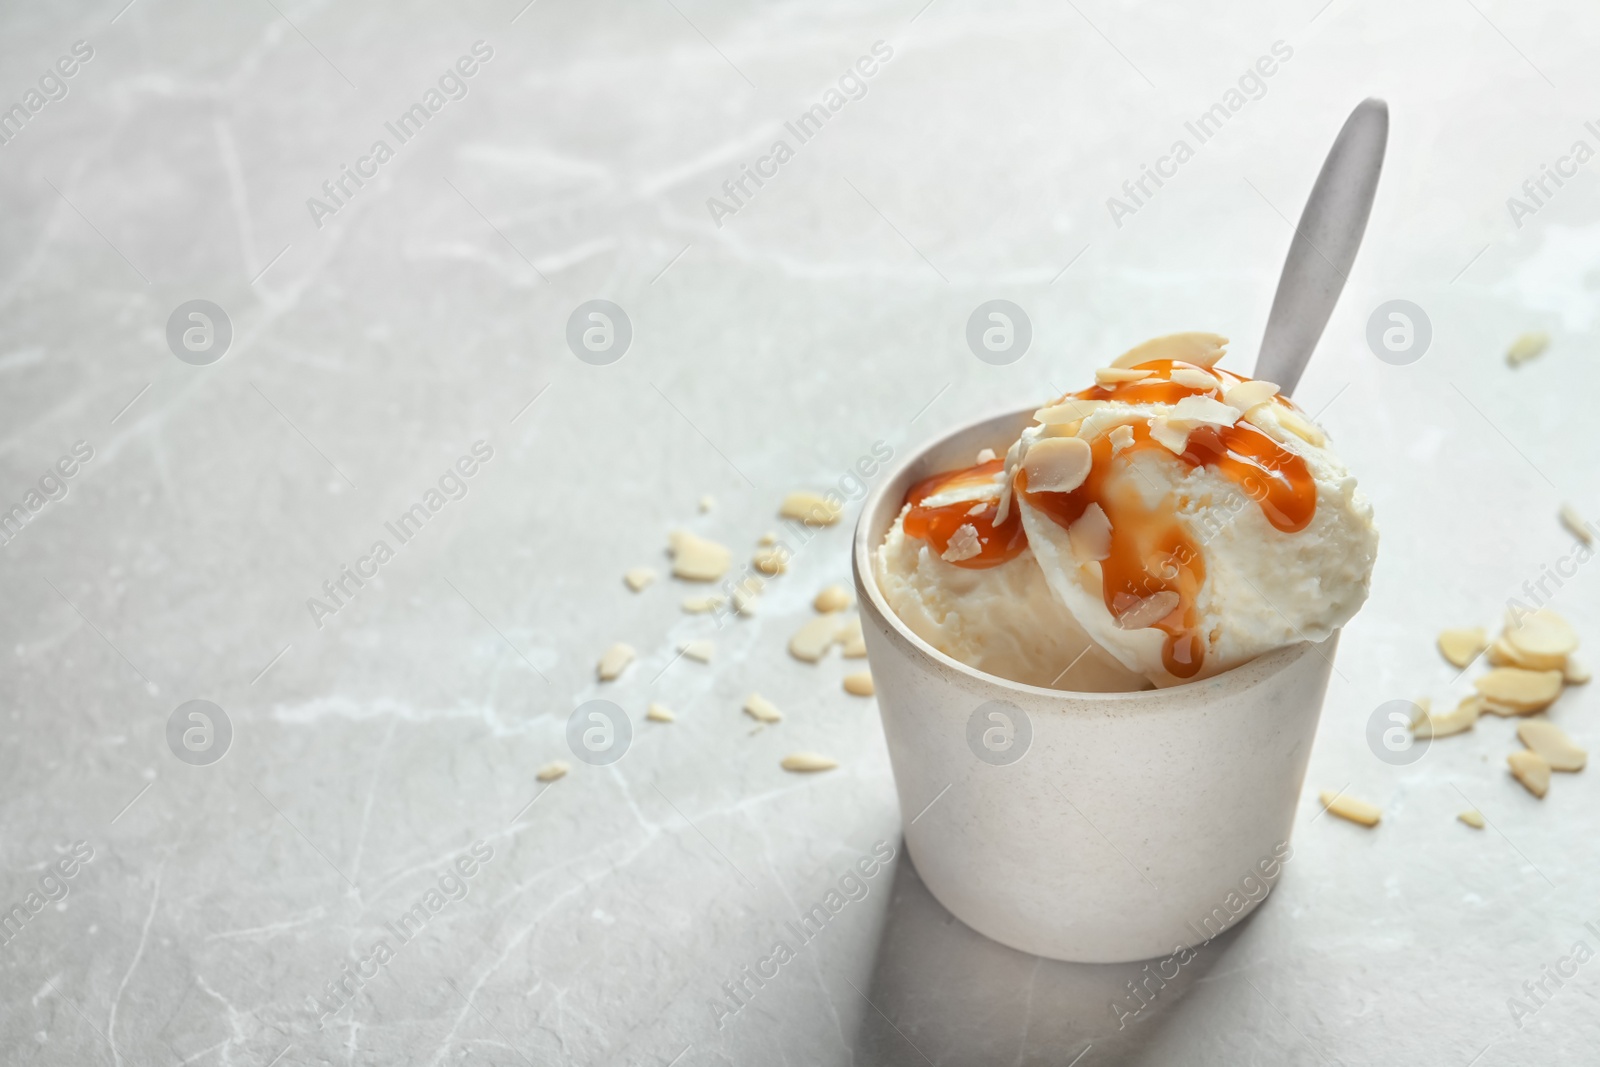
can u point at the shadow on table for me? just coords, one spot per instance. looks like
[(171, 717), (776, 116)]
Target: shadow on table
[(943, 993)]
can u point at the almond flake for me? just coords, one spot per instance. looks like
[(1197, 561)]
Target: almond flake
[(1057, 464), (1472, 818), (964, 544), (1464, 718), (1067, 411), (773, 560), (553, 770), (639, 577), (1503, 654), (1168, 436), (1527, 346), (812, 641), (1201, 349), (1148, 611), (699, 605), (1193, 378), (1523, 691), (813, 509), (698, 559), (1357, 811), (1194, 411), (1531, 770), (768, 538), (761, 709), (808, 762), (1461, 647), (832, 598), (1552, 743), (1542, 638), (985, 455), (1115, 375), (859, 684), (744, 599), (1248, 393), (698, 650), (660, 713), (1575, 673), (614, 660), (1302, 427), (707, 503), (852, 644), (1121, 437), (1090, 536), (1576, 525)]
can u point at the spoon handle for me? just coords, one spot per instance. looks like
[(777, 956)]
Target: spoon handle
[(1324, 245)]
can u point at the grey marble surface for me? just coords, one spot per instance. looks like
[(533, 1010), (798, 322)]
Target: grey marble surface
[(373, 346)]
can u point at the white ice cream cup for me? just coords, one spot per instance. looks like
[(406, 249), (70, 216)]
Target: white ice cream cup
[(1094, 827)]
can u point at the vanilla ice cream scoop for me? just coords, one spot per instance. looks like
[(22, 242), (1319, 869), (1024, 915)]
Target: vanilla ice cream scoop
[(1185, 518)]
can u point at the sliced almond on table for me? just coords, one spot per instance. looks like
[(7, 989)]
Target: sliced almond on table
[(1576, 525), (613, 660), (771, 560), (852, 644), (1201, 349), (553, 770), (813, 509), (812, 640), (1057, 464), (1173, 438), (744, 599), (1090, 536), (832, 598), (698, 605), (1461, 647), (1148, 611), (1502, 654), (859, 683), (1357, 811), (1472, 818), (639, 577), (1192, 378), (964, 544), (1521, 690), (1552, 743), (761, 709), (1247, 394), (660, 713), (808, 762), (1121, 437), (1117, 375), (1543, 639), (1464, 718), (1575, 673), (698, 559), (707, 503), (1527, 346), (699, 650), (1531, 770), (1067, 411), (768, 538)]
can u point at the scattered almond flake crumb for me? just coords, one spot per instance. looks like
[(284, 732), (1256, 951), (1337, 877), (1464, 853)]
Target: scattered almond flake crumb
[(1531, 770), (964, 544), (986, 455), (1302, 427), (768, 538), (1057, 464), (1357, 811), (859, 684), (639, 577), (979, 508), (1247, 394), (1201, 349), (660, 713), (698, 650), (1461, 647), (812, 641), (761, 709), (1464, 718), (1168, 436), (1527, 346), (1520, 690), (698, 559), (1576, 525), (1472, 818), (1193, 379), (744, 599), (1147, 611), (813, 509), (1121, 437), (1090, 535), (707, 502), (1542, 639), (1114, 375), (832, 598), (771, 561), (1552, 744), (613, 660), (852, 644), (699, 605), (808, 762), (1575, 673), (553, 770)]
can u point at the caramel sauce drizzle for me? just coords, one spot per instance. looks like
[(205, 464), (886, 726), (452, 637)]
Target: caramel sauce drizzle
[(1150, 552)]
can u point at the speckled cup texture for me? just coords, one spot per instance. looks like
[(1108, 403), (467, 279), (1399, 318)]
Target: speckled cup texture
[(1132, 822)]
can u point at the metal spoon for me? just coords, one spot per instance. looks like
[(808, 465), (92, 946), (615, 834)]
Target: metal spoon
[(1324, 245)]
